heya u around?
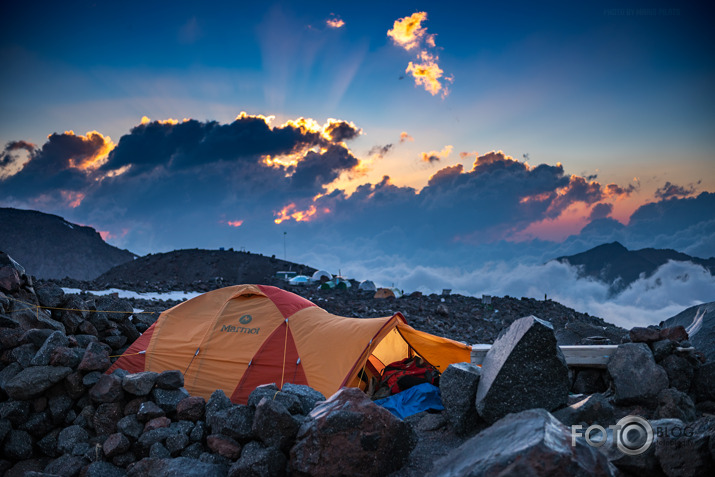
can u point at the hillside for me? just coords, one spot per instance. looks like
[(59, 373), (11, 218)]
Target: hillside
[(52, 247), (196, 269), (616, 265)]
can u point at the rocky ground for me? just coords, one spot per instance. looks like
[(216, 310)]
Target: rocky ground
[(60, 415)]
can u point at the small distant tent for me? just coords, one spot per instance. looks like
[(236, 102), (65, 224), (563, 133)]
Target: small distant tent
[(299, 280), (341, 283), (239, 337), (321, 276), (329, 285), (367, 285)]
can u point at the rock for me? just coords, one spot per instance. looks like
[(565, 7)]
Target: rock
[(224, 446), (7, 373), (23, 354), (107, 389), (271, 391), (442, 310), (60, 407), (198, 432), (591, 410), (704, 383), (38, 424), (191, 408), (149, 438), (170, 380), (96, 358), (644, 335), (235, 422), (10, 281), (16, 412), (54, 341), (680, 372), (687, 452), (274, 425), (674, 404), (167, 399), (32, 382), (104, 469), (69, 437), (130, 426), (18, 445), (159, 451), (636, 377), (50, 294), (91, 378), (217, 402), (589, 381), (259, 461), (350, 435), (73, 315), (139, 384), (676, 333), (180, 466), (113, 308), (530, 442), (106, 417), (116, 444), (148, 411), (308, 396), (176, 443), (65, 465), (63, 356), (458, 387), (157, 423), (663, 348), (523, 369)]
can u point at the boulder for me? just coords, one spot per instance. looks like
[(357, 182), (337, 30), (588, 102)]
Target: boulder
[(167, 399), (674, 404), (676, 333), (259, 461), (350, 435), (589, 381), (116, 444), (530, 442), (704, 382), (156, 423), (637, 379), (662, 349), (644, 335), (172, 379), (680, 372), (96, 358), (182, 466), (458, 388), (271, 391), (308, 396), (54, 341), (687, 452), (224, 446), (17, 445), (148, 411), (595, 408), (113, 308), (523, 369), (49, 294), (107, 389), (191, 408), (104, 469), (106, 417), (139, 384), (32, 382), (130, 426), (235, 422), (274, 425), (218, 401), (69, 437), (176, 443), (65, 465)]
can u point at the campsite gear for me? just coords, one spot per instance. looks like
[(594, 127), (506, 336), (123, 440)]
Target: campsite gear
[(321, 276), (408, 372), (422, 397), (239, 337), (367, 285)]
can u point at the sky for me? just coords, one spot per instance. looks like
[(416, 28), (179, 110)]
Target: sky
[(427, 145)]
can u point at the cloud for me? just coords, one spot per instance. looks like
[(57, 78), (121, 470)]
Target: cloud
[(11, 158), (408, 32), (436, 156), (669, 191), (405, 137), (334, 21), (427, 73), (379, 151), (339, 130), (601, 211)]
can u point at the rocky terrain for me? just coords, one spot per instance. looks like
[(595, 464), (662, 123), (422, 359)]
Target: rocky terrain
[(61, 415), (52, 247), (617, 266)]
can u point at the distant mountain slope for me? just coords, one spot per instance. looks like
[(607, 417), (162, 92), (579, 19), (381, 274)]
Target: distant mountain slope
[(699, 322), (612, 261), (196, 269), (50, 247)]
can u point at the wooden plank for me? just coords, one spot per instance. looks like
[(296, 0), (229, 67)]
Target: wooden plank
[(593, 356)]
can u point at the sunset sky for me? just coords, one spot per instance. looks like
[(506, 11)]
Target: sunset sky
[(434, 134)]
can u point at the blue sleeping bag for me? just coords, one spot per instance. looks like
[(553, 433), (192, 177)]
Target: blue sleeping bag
[(413, 400)]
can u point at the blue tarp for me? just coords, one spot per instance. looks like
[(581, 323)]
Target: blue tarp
[(413, 400)]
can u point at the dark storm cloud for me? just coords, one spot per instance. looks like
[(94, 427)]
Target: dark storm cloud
[(614, 190), (379, 151), (669, 191), (601, 211), (578, 190), (339, 130), (9, 155), (318, 169)]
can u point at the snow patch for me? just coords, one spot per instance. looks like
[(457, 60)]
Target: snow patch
[(174, 295)]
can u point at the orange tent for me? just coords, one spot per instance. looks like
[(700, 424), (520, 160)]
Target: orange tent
[(239, 337)]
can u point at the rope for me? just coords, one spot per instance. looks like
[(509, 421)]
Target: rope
[(285, 350), (132, 354), (38, 307)]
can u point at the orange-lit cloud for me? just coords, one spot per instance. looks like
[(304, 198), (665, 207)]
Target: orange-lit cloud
[(427, 73), (235, 223), (107, 235), (72, 199), (291, 212), (335, 21), (436, 156), (408, 32), (101, 146), (145, 120), (406, 137)]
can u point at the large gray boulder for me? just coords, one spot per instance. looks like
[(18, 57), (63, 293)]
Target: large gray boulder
[(524, 369), (182, 466), (637, 379), (529, 443), (350, 435), (32, 382), (458, 388)]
